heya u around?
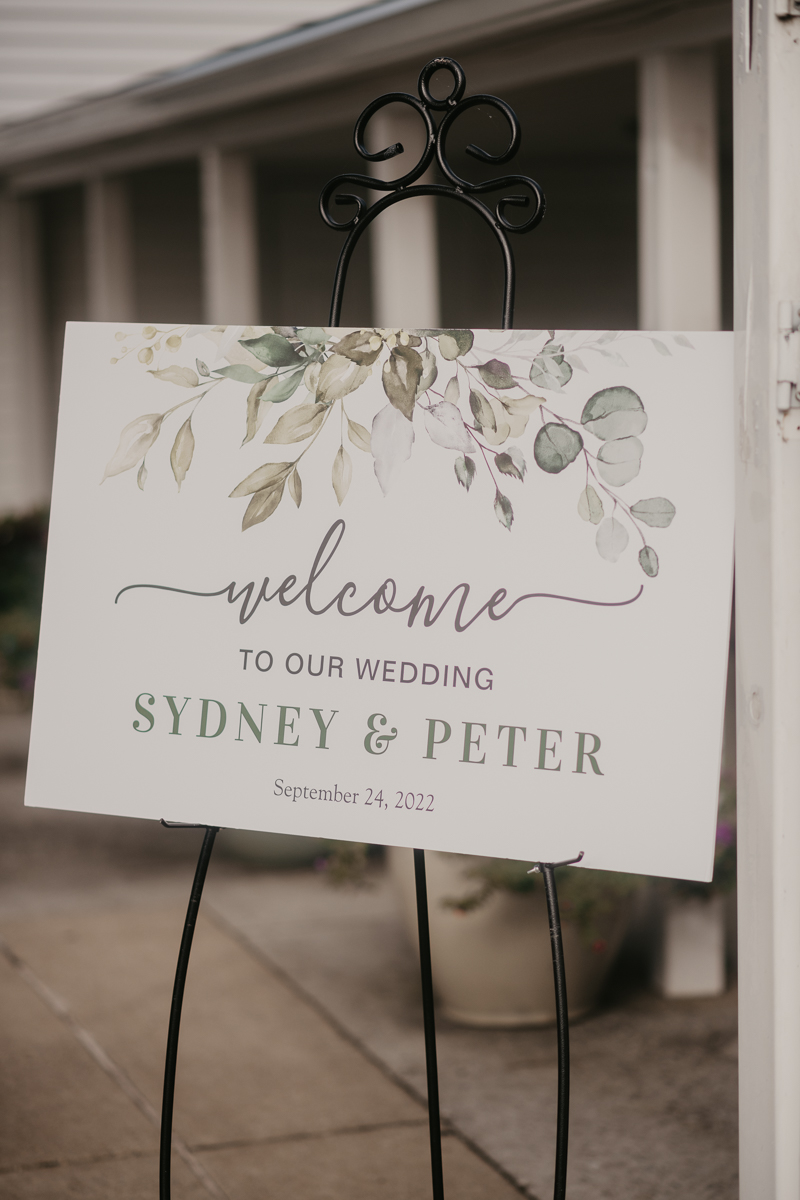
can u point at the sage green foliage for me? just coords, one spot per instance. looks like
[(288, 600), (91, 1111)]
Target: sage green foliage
[(585, 896)]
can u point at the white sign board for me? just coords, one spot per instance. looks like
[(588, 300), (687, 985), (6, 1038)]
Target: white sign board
[(472, 594)]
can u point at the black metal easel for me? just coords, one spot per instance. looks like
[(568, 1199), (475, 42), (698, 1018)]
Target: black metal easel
[(402, 188)]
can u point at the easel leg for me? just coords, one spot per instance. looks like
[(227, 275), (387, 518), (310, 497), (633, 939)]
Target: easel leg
[(562, 1031), (430, 1026), (165, 1162)]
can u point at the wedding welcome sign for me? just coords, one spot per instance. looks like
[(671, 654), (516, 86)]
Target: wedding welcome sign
[(460, 589)]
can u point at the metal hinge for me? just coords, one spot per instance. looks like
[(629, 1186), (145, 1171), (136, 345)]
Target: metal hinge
[(787, 8)]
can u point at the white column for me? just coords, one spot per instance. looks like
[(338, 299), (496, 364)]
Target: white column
[(679, 234), (404, 246), (230, 239), (109, 252), (27, 424), (767, 271)]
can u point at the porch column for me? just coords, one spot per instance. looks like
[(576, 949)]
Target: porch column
[(27, 422), (767, 274), (679, 234), (230, 239), (404, 245), (109, 252)]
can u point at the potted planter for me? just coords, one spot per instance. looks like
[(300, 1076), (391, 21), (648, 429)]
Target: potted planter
[(490, 944)]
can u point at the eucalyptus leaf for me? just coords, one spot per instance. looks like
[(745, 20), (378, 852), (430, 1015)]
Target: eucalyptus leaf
[(496, 374), (482, 410), (661, 347), (141, 477), (283, 387), (556, 446), (454, 342), (615, 412), (312, 335), (611, 539), (648, 561), (682, 340), (576, 362), (362, 346), (550, 368), (512, 462), (358, 435), (262, 479), (391, 440), (262, 505), (590, 505), (656, 512), (135, 440), (445, 426), (239, 372), (502, 423), (338, 377), (297, 424), (253, 410), (180, 457), (452, 392), (503, 510), (183, 376), (465, 470), (296, 487), (273, 350), (430, 371), (619, 462), (342, 473), (401, 375), (202, 369)]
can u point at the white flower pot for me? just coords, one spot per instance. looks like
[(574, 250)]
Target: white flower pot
[(493, 966), (692, 953)]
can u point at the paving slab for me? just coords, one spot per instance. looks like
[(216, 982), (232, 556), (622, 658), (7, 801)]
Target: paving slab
[(392, 1164), (111, 1179)]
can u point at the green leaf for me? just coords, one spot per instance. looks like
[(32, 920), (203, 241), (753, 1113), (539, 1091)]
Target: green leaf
[(661, 347), (392, 440), (454, 342), (202, 369), (430, 371), (338, 377), (590, 506), (618, 462), (496, 374), (648, 561), (141, 478), (342, 474), (556, 446), (313, 336), (239, 372), (282, 387), (681, 340), (550, 368), (452, 391), (503, 510), (615, 412), (254, 410), (359, 436), (482, 410), (401, 374), (296, 487), (297, 424), (183, 376), (135, 440), (262, 479), (512, 462), (182, 451), (465, 470), (360, 346), (611, 539), (656, 512), (445, 426), (273, 350), (262, 505)]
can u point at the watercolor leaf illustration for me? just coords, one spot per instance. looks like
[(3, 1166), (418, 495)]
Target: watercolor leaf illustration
[(473, 404)]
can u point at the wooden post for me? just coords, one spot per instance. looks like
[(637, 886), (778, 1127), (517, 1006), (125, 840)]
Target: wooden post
[(27, 421), (679, 223), (230, 239), (767, 272), (109, 252), (404, 244)]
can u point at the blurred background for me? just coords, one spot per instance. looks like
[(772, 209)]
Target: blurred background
[(162, 162)]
